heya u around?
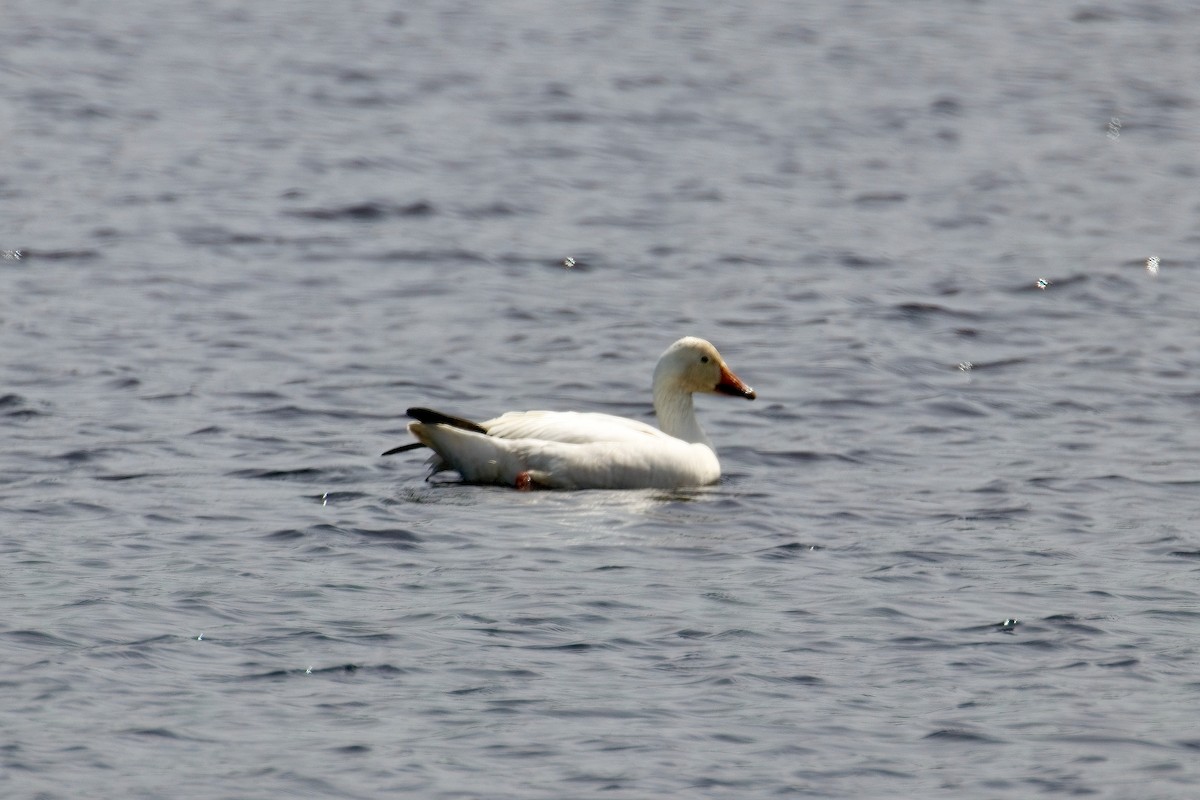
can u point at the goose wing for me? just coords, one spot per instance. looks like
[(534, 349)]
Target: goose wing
[(571, 427)]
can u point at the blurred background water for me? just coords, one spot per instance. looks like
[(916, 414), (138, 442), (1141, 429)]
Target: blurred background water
[(952, 245)]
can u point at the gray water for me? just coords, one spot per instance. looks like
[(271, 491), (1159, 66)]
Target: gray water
[(951, 245)]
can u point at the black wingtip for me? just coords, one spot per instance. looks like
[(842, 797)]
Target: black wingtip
[(402, 448), (431, 417)]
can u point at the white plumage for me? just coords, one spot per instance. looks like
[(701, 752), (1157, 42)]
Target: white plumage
[(579, 450)]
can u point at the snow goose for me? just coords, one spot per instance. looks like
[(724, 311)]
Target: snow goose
[(579, 450)]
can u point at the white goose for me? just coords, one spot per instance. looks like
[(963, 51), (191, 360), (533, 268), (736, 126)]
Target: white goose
[(574, 450)]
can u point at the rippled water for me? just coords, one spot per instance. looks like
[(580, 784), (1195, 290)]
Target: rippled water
[(953, 247)]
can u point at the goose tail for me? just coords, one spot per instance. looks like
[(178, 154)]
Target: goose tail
[(477, 457)]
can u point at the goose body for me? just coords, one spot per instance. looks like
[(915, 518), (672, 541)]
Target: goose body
[(581, 450)]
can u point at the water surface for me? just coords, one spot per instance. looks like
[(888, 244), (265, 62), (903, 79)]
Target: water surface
[(951, 247)]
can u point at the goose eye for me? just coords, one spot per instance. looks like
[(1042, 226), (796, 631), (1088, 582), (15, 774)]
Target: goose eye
[(703, 359)]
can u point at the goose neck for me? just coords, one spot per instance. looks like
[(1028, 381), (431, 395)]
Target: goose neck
[(677, 415)]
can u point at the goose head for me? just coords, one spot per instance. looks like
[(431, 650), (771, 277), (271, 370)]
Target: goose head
[(692, 365)]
